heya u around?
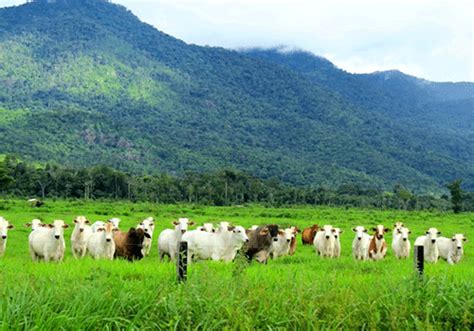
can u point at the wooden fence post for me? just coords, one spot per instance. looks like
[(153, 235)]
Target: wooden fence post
[(182, 262), (419, 259)]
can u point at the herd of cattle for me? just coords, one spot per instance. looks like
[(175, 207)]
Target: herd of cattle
[(224, 241)]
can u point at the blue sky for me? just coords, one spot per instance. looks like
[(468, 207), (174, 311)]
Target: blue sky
[(431, 39)]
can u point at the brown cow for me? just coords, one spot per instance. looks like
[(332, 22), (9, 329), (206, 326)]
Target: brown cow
[(378, 245), (129, 244), (308, 234)]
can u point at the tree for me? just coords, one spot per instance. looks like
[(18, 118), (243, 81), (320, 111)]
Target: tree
[(456, 195)]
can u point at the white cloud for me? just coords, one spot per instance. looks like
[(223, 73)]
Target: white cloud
[(433, 39)]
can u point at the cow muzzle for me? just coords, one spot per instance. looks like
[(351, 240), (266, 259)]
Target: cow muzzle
[(108, 240), (459, 247), (4, 237), (404, 239), (57, 236), (433, 241), (183, 231), (81, 230), (288, 240), (327, 237), (359, 238), (275, 239), (247, 240)]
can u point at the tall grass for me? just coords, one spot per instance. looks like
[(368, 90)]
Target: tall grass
[(298, 292)]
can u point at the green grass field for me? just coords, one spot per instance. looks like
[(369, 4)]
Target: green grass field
[(298, 292)]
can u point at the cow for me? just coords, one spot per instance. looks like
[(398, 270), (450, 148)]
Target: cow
[(307, 237), (401, 243), (451, 249), (360, 244), (48, 242), (325, 242), (260, 242), (79, 236), (430, 245), (101, 244), (148, 225), (168, 239), (378, 245), (129, 244), (4, 227)]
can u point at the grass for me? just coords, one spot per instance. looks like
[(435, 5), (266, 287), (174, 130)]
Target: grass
[(298, 292)]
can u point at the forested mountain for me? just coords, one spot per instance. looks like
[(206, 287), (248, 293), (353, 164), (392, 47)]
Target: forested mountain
[(84, 82)]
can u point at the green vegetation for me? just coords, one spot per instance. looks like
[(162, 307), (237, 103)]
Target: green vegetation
[(220, 188), (84, 82), (298, 292)]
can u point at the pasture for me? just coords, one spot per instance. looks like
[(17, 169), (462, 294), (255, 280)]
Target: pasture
[(294, 292)]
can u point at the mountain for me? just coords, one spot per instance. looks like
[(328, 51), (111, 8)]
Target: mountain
[(85, 82)]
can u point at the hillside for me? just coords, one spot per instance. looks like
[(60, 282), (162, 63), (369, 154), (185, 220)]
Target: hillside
[(85, 82)]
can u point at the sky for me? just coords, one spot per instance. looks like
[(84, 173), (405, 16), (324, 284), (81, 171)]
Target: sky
[(432, 39)]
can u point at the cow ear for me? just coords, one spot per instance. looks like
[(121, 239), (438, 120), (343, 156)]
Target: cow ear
[(50, 226), (100, 229), (10, 226), (132, 230), (175, 222), (231, 228), (264, 232), (341, 231), (354, 230), (65, 226), (191, 223), (87, 222), (115, 229), (386, 230), (75, 221), (365, 230), (202, 229), (399, 231), (439, 233), (464, 239), (427, 232), (374, 229), (28, 225), (280, 232), (409, 232), (247, 231)]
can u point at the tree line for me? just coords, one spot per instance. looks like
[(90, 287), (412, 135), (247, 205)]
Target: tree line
[(221, 188)]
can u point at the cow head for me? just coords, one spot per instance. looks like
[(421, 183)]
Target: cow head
[(327, 231), (398, 225), (239, 234), (458, 240), (80, 223), (181, 225), (115, 221), (4, 227), (380, 231), (404, 232), (359, 231), (57, 229), (432, 235)]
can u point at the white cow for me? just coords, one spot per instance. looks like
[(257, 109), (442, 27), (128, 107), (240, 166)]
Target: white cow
[(360, 244), (36, 223), (148, 225), (48, 242), (451, 249), (337, 236), (401, 244), (4, 227), (168, 239), (430, 245), (101, 243), (281, 247), (222, 245), (324, 242), (97, 225), (80, 236)]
